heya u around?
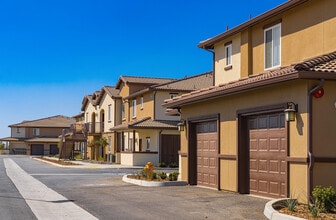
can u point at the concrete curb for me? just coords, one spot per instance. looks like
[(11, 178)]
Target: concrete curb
[(273, 214), (152, 183)]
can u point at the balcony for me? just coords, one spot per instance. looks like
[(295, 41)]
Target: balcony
[(94, 127)]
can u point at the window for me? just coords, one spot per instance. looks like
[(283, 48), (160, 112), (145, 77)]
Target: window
[(109, 112), (172, 95), (228, 54), (123, 111), (18, 130), (141, 103), (36, 131), (147, 143), (272, 46), (87, 117), (134, 108), (109, 142)]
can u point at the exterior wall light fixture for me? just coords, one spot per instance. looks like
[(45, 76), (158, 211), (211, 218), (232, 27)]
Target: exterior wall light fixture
[(290, 111), (181, 125)]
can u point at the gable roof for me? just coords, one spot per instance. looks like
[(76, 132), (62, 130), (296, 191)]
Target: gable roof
[(209, 43), (316, 68), (186, 84), (58, 121), (141, 80), (147, 123), (109, 90)]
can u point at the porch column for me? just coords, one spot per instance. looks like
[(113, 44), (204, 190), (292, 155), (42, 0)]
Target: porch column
[(133, 147)]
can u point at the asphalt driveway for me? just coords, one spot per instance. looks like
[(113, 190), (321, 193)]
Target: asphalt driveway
[(102, 193)]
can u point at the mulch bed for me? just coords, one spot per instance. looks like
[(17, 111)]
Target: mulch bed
[(302, 211)]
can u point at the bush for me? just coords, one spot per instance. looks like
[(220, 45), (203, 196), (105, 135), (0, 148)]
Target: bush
[(100, 158), (173, 165), (78, 157), (173, 176), (162, 164), (162, 175), (324, 198)]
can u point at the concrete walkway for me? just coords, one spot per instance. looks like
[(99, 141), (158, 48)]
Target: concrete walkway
[(44, 202)]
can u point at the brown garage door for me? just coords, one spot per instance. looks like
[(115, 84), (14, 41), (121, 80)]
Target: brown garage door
[(207, 154), (37, 149), (268, 151)]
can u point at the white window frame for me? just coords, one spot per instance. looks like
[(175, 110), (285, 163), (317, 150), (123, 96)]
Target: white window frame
[(109, 112), (36, 131), (123, 111), (134, 108), (109, 141), (172, 95), (147, 143), (275, 49), (141, 102), (228, 54)]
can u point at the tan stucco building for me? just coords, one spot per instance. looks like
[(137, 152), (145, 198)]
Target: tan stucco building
[(38, 137), (236, 135)]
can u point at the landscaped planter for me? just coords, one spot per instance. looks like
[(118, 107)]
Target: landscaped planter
[(152, 183), (273, 214)]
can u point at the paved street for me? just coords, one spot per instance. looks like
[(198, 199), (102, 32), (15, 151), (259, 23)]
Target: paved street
[(102, 194)]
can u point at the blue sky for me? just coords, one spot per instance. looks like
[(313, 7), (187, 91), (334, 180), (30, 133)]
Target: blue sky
[(53, 53)]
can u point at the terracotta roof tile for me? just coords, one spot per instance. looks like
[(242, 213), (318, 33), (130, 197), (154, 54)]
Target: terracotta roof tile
[(58, 121)]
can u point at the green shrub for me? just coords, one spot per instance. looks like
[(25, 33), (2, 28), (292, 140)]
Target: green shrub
[(324, 198), (162, 164), (173, 176), (173, 165), (78, 157), (154, 176), (162, 175), (313, 210), (100, 158), (291, 204)]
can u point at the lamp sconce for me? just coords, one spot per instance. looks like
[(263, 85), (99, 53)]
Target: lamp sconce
[(181, 125), (290, 111)]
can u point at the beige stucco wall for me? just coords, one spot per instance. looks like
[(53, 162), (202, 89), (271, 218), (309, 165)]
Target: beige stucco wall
[(17, 132), (305, 34), (222, 75), (160, 114), (103, 106), (45, 132), (148, 105), (324, 136)]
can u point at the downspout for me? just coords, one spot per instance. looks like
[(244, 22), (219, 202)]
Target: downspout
[(213, 64), (310, 138)]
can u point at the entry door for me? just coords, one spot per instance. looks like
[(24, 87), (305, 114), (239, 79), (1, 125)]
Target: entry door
[(268, 152), (207, 154)]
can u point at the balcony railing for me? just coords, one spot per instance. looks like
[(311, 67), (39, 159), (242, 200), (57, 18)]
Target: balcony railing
[(94, 128)]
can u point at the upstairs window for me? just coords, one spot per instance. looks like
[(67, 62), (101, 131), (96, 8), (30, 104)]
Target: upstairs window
[(228, 54), (36, 131), (141, 103), (123, 111), (272, 46), (172, 95), (134, 108), (109, 112)]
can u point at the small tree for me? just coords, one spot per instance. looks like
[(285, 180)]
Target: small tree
[(102, 142)]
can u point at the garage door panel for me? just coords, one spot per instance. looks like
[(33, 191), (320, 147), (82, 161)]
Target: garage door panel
[(268, 151), (207, 154)]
